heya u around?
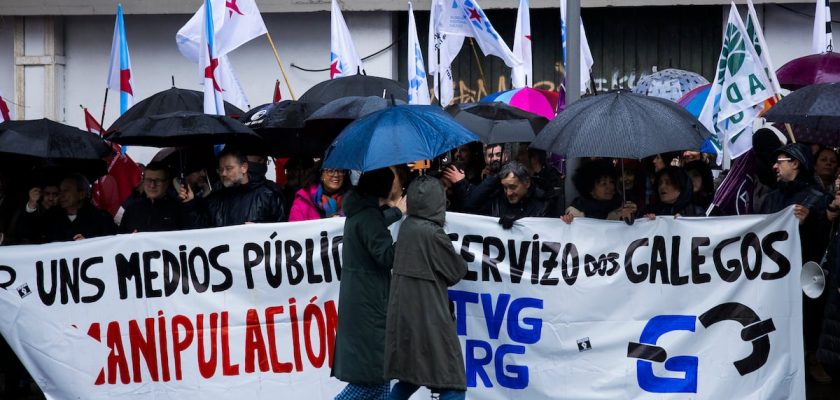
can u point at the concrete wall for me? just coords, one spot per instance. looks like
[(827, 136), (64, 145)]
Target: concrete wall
[(7, 58), (107, 7)]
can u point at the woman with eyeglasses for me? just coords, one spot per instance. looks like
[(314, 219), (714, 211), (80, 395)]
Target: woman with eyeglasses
[(322, 198)]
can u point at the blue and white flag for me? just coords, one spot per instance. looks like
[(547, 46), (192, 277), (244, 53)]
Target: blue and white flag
[(344, 60), (235, 22), (522, 75), (209, 66), (119, 72), (466, 18), (443, 48), (586, 60), (418, 89)]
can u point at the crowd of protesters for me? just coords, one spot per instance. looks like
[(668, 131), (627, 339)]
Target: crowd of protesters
[(504, 181)]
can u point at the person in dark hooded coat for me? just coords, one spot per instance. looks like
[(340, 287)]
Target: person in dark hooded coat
[(421, 343), (366, 261), (674, 191)]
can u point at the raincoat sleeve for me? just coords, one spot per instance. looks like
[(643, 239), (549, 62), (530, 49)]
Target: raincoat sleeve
[(377, 239), (392, 215), (449, 264)]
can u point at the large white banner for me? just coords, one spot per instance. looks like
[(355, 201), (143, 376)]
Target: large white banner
[(705, 308)]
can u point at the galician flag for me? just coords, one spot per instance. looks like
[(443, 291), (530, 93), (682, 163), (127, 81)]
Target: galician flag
[(119, 73), (586, 60), (418, 89), (5, 114), (522, 75), (466, 18), (757, 37), (235, 22), (344, 60), (443, 48), (208, 65), (738, 92), (822, 41)]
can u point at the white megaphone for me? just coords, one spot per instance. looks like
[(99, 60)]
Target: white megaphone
[(812, 279)]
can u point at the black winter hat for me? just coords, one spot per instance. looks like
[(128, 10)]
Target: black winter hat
[(801, 153)]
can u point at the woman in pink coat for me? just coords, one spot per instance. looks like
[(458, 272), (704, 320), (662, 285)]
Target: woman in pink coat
[(322, 198)]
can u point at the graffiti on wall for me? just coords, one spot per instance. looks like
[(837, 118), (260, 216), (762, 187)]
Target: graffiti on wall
[(469, 92)]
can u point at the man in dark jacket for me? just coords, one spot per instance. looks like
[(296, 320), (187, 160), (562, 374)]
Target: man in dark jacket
[(155, 210), (245, 197), (796, 186), (74, 219), (509, 196), (421, 343), (547, 178), (366, 261)]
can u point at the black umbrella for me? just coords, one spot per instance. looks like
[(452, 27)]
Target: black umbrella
[(815, 106), (168, 101), (621, 125), (43, 142), (281, 127), (326, 123), (185, 128), (497, 122), (355, 85)]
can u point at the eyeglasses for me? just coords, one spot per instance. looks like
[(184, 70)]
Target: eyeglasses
[(779, 160), (153, 182), (334, 172)]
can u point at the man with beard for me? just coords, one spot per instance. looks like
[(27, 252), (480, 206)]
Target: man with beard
[(495, 156), (245, 197)]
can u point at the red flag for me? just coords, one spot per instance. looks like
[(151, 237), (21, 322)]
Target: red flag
[(4, 110), (277, 95), (111, 190), (92, 125)]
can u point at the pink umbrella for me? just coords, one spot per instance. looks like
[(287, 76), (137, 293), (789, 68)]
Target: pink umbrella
[(808, 70), (541, 102)]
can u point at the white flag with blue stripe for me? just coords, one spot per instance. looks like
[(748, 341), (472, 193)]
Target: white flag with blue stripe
[(466, 18), (418, 88), (209, 66)]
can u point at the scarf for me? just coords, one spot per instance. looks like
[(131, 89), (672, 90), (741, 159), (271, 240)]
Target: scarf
[(328, 205)]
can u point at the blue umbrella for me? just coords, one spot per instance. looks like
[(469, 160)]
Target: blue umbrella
[(396, 135)]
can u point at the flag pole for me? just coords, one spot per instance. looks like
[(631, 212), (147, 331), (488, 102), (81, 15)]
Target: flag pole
[(787, 125), (282, 70), (104, 103), (477, 60), (440, 82)]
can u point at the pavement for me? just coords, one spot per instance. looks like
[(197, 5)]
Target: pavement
[(814, 390)]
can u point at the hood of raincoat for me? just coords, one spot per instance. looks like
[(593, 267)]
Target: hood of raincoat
[(427, 200)]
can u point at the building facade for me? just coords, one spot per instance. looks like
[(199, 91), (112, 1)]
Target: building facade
[(54, 53)]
